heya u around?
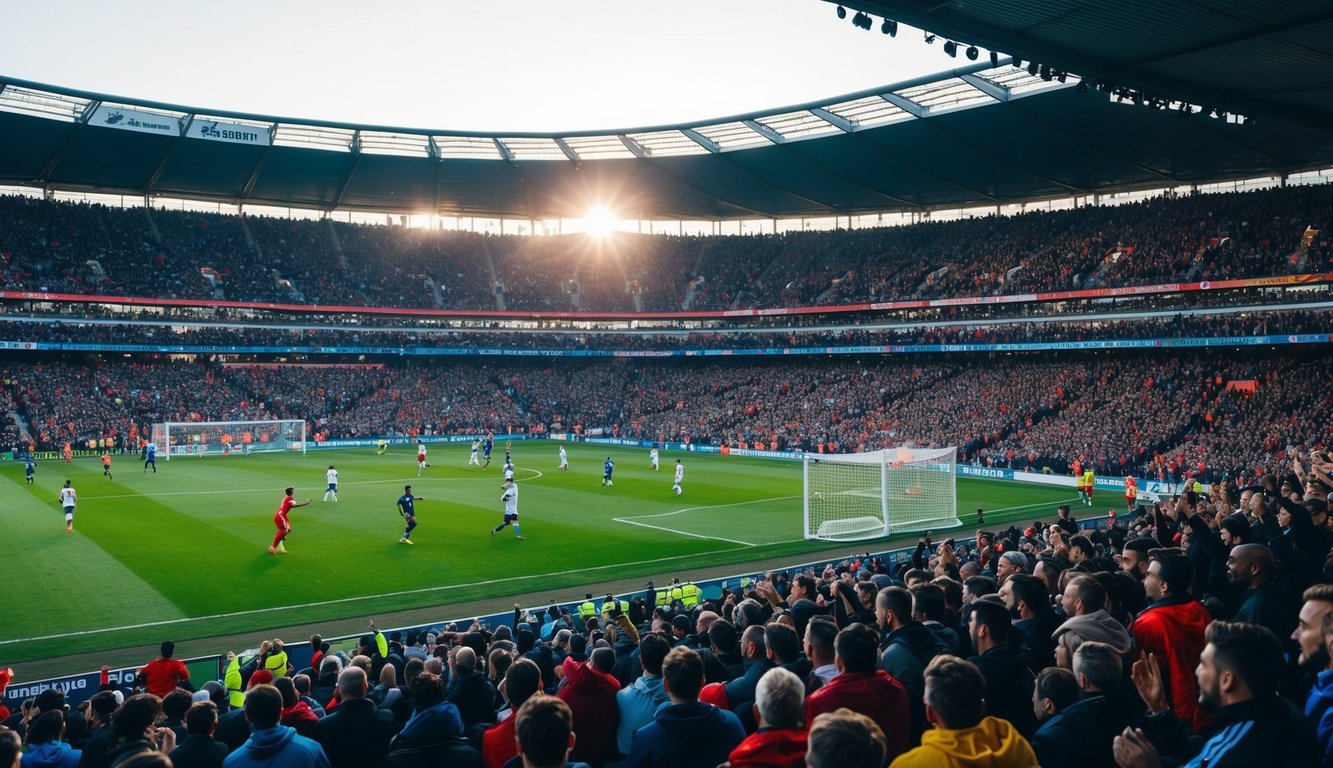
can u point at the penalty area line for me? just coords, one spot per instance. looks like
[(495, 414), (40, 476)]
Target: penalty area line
[(635, 519), (360, 598)]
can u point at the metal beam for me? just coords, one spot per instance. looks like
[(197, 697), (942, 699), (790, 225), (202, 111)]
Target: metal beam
[(355, 146), (907, 105), (79, 123), (765, 131), (504, 151), (699, 139), (185, 124), (633, 146), (841, 123), (569, 152), (993, 90)]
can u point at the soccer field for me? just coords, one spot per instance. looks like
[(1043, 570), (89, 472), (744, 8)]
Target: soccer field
[(183, 553)]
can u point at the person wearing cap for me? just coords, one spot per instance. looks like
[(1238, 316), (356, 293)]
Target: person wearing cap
[(164, 674)]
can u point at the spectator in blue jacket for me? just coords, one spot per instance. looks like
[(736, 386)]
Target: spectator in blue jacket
[(686, 733), (272, 745)]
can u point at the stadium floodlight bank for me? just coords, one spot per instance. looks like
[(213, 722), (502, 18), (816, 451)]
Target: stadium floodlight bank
[(200, 438), (855, 496)]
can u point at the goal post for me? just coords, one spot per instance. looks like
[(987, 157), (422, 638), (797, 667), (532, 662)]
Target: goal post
[(201, 438), (850, 497)]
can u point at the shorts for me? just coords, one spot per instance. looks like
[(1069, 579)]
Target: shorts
[(282, 522), (511, 517), (333, 487)]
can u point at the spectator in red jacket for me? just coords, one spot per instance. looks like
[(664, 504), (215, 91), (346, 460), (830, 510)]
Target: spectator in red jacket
[(1172, 629), (780, 741), (590, 691), (861, 687), (522, 681), (163, 675)]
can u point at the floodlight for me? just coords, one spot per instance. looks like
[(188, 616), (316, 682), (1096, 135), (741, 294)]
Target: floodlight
[(842, 12), (951, 48), (972, 53), (930, 39), (995, 59), (889, 27)]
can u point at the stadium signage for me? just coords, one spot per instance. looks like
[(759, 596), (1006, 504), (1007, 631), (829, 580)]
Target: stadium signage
[(233, 133), (999, 474), (135, 120)]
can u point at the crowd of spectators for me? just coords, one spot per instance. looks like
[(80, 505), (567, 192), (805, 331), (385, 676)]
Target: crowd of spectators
[(94, 249), (1157, 416), (1199, 629)]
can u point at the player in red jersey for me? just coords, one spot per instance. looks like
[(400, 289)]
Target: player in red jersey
[(284, 525)]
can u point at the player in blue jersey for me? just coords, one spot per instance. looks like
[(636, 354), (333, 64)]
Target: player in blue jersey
[(486, 447), (150, 457), (29, 469), (407, 508), (608, 467)]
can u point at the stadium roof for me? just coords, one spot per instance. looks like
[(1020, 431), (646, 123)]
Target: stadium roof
[(977, 135)]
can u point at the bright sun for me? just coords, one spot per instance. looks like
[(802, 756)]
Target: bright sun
[(600, 222)]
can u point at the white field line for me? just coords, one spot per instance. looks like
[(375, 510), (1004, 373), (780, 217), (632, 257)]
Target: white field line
[(344, 600), (634, 520)]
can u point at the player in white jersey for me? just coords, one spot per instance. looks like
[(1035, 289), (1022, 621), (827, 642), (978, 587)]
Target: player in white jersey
[(332, 492), (680, 475), (509, 469), (652, 460), (68, 500), (473, 461), (510, 499), (421, 457), (564, 460)]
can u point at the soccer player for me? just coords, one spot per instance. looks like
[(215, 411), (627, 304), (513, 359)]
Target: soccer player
[(29, 469), (68, 500), (68, 453), (564, 460), (486, 447), (382, 447), (106, 465), (680, 475), (608, 467), (509, 450), (407, 508), (421, 457), (508, 469), (150, 457), (652, 459), (332, 477), (1088, 481), (280, 520), (510, 499), (473, 461)]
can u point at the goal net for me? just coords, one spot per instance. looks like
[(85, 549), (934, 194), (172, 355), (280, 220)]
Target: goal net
[(856, 496), (200, 438)]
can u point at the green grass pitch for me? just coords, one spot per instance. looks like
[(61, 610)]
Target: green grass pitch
[(183, 553)]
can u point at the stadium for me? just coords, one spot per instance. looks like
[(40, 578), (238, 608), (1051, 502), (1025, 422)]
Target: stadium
[(875, 340)]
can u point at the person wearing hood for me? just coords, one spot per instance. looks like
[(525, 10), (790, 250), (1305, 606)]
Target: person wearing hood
[(780, 742), (1084, 602), (963, 735), (272, 745), (640, 699), (686, 733), (907, 647), (1009, 681), (295, 711), (590, 691), (1171, 629), (433, 734), (46, 745)]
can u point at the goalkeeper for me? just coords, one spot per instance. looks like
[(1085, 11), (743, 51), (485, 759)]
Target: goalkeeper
[(382, 447), (407, 508)]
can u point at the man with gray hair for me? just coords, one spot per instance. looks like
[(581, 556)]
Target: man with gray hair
[(358, 732), (779, 705)]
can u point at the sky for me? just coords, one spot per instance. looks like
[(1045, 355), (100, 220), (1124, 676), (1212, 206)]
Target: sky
[(488, 66)]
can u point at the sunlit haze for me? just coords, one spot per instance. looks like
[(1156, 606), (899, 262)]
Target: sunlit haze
[(515, 65)]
